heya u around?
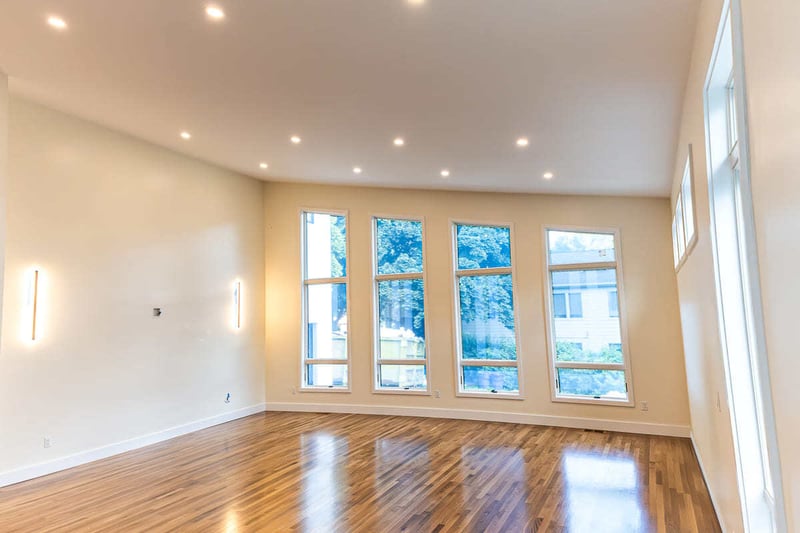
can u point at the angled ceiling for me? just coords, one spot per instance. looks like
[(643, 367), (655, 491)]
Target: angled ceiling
[(596, 87)]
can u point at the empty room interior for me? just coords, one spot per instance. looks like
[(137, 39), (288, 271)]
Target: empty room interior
[(399, 265)]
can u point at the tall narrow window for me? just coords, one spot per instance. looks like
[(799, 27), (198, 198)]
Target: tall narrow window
[(401, 355), (486, 330), (326, 351), (684, 233), (587, 347)]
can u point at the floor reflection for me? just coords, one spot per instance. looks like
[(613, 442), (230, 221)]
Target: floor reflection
[(494, 481), (603, 493), (323, 476)]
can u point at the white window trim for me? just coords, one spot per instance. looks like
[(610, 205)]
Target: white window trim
[(376, 322), (459, 363), (304, 315), (686, 210), (555, 396)]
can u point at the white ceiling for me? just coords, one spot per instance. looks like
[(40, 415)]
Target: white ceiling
[(595, 84)]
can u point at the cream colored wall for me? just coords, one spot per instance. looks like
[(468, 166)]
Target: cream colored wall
[(658, 371), (772, 68), (705, 372), (3, 179), (118, 227)]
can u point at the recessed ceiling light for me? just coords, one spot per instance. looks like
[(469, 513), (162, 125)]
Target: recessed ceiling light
[(295, 139), (357, 170), (185, 135), (523, 142), (445, 173), (399, 141), (263, 166), (57, 22), (416, 2), (548, 175), (215, 12)]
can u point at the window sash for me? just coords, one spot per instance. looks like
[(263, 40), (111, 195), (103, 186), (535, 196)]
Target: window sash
[(461, 362), (624, 366), (377, 279), (307, 282)]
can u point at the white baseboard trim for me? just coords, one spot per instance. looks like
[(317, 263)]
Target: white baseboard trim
[(69, 461), (645, 428), (708, 486)]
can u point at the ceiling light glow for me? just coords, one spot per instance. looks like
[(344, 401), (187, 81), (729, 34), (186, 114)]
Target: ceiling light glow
[(263, 166), (357, 170), (445, 173), (548, 175), (185, 135), (399, 141), (57, 22), (214, 12), (295, 139), (523, 142)]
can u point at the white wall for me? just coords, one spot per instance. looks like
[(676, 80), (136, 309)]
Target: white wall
[(118, 227), (3, 179), (658, 371), (772, 68)]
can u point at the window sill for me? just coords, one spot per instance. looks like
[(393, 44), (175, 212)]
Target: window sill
[(324, 389), (402, 392), (494, 396), (594, 401)]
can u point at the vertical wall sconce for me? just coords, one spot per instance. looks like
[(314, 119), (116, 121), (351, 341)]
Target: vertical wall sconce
[(237, 304), (33, 304)]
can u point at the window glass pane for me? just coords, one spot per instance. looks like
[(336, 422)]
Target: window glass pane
[(487, 317), (402, 319), (675, 250), (560, 305), (679, 230), (569, 247), (575, 305), (399, 244), (326, 250), (404, 377), (596, 328), (326, 309), (483, 246), (688, 208), (326, 375), (608, 384), (491, 379)]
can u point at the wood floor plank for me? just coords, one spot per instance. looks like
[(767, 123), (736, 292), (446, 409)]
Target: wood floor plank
[(311, 472)]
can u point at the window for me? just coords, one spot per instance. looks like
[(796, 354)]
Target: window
[(486, 340), (736, 274), (588, 354), (326, 350), (683, 223), (401, 355)]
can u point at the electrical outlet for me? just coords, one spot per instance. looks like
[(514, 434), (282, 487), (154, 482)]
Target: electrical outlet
[(437, 394), (47, 442), (644, 406)]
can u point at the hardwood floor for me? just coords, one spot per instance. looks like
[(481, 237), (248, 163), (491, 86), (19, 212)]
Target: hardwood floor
[(323, 473)]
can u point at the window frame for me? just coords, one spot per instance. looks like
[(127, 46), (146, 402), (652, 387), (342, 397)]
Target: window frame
[(553, 365), (456, 314), (304, 284), (376, 322), (687, 209)]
